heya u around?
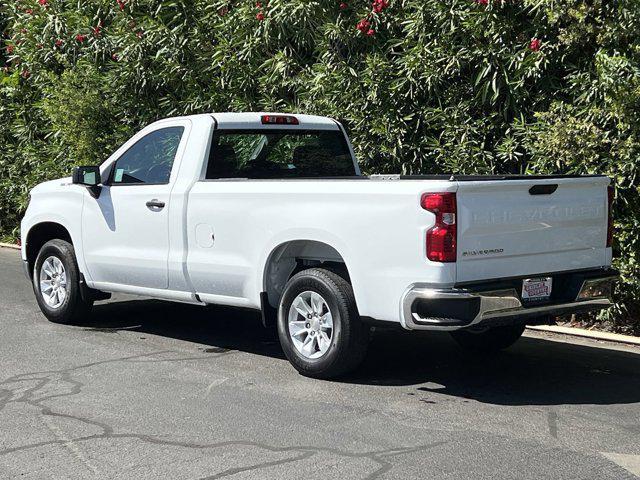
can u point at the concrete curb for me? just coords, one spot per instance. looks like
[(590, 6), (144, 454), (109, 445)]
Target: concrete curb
[(593, 334), (9, 245)]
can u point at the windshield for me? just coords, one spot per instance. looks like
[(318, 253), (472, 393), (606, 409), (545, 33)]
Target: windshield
[(279, 154)]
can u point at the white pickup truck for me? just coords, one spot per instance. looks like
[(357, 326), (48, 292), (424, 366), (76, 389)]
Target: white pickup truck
[(271, 212)]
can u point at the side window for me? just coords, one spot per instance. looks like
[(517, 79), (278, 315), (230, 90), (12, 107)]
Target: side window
[(149, 160)]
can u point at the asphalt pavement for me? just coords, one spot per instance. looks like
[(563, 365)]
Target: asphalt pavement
[(152, 390)]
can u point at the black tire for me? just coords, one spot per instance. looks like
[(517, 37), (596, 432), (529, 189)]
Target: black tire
[(490, 340), (349, 339), (74, 309)]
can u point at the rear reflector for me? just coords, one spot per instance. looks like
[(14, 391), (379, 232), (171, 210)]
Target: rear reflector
[(441, 238), (279, 120), (610, 196)]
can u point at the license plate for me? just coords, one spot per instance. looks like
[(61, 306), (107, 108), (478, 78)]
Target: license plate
[(536, 289)]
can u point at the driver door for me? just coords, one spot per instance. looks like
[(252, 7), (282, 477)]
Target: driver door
[(125, 232)]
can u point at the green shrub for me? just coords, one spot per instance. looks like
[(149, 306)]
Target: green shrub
[(427, 86)]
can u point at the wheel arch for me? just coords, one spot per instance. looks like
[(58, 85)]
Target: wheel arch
[(39, 234), (292, 256)]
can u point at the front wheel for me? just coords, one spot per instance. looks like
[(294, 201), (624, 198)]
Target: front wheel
[(319, 326), (490, 340), (56, 283)]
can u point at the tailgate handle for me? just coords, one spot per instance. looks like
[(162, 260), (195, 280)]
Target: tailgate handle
[(543, 189)]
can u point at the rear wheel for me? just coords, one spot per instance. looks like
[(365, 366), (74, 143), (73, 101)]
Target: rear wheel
[(56, 283), (319, 326), (490, 340)]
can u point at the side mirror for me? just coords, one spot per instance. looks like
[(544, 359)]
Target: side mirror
[(89, 177)]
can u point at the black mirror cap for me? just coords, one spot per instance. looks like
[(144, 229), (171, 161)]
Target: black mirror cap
[(88, 176)]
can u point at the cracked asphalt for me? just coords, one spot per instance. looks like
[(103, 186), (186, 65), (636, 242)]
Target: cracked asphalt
[(148, 389)]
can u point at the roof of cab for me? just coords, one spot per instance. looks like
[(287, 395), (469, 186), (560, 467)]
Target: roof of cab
[(253, 120)]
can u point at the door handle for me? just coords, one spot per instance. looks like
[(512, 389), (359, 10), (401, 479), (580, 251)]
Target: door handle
[(543, 189), (155, 203)]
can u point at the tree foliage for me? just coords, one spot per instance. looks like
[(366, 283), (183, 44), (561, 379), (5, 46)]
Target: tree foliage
[(424, 86)]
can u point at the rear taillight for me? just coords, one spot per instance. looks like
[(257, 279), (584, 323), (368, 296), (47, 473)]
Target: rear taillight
[(610, 195), (279, 120), (441, 238)]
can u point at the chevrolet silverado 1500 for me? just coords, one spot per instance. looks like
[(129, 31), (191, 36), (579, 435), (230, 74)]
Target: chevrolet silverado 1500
[(271, 212)]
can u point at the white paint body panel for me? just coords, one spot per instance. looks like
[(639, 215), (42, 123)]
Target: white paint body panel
[(57, 201), (504, 231), (116, 249), (377, 227), (214, 239)]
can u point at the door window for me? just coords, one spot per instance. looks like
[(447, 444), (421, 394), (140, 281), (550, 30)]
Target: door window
[(149, 160)]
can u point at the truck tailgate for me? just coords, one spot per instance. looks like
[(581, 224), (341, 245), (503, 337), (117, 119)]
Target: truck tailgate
[(511, 228)]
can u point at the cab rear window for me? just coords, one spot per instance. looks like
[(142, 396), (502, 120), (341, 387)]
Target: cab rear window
[(273, 153)]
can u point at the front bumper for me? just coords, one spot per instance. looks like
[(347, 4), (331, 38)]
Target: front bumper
[(497, 303)]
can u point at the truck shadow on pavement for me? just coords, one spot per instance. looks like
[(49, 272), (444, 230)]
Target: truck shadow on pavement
[(535, 371)]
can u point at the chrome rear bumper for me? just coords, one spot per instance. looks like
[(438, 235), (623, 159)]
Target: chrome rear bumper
[(425, 308)]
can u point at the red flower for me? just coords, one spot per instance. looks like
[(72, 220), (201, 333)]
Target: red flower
[(10, 49), (371, 32), (97, 30), (58, 43), (29, 11), (534, 45), (343, 6), (363, 25), (120, 4), (81, 38), (114, 57), (484, 3), (44, 3), (25, 74), (379, 5), (258, 4), (260, 16)]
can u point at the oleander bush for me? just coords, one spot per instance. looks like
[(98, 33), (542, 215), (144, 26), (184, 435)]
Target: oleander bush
[(423, 86)]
